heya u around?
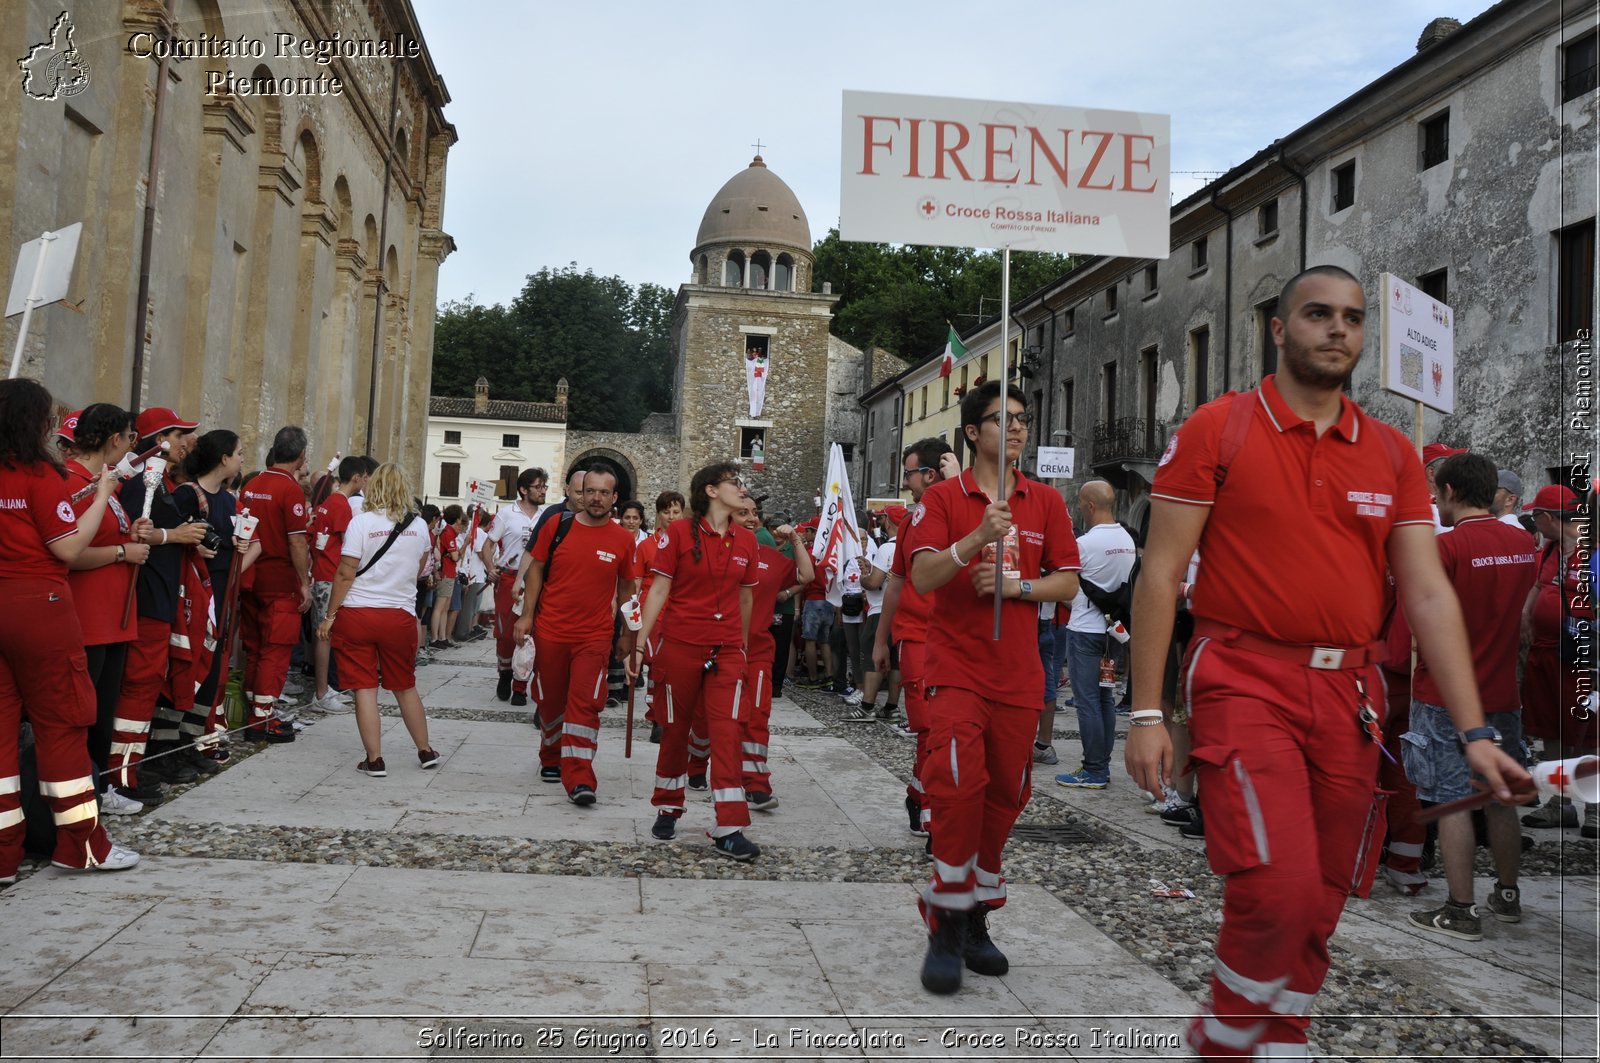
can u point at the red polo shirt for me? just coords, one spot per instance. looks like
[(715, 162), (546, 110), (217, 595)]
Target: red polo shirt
[(774, 572), (1297, 547), (276, 498), (327, 536), (578, 602), (99, 593), (449, 540), (704, 599), (961, 652), (910, 623), (1492, 565), (35, 510)]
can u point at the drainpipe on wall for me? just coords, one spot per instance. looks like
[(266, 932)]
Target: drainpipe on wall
[(147, 238), (1227, 299), (1301, 179), (383, 244)]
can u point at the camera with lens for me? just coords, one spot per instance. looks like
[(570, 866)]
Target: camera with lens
[(211, 541)]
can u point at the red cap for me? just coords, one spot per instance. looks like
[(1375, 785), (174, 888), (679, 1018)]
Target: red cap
[(896, 513), (158, 419), (813, 523), (1434, 451), (69, 427), (1557, 498)]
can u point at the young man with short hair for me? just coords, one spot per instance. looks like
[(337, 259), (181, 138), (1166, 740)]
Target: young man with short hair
[(989, 527), (280, 589), (502, 554)]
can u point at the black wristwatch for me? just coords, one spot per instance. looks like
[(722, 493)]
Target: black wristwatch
[(1473, 734)]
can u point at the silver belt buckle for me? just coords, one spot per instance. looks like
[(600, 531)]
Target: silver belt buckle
[(1328, 657)]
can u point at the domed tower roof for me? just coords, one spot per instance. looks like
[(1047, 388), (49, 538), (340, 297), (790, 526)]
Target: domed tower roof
[(755, 207)]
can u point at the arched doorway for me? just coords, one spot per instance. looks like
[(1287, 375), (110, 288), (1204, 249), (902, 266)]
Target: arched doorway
[(617, 463)]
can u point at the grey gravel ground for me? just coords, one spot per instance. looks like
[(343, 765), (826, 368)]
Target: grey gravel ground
[(1106, 881)]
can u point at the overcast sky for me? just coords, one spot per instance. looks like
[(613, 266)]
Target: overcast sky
[(597, 133)]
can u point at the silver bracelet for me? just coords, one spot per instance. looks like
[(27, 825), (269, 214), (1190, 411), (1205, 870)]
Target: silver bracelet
[(1145, 723), (956, 556)]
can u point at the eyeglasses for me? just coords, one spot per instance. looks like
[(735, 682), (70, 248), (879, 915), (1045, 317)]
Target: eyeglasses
[(922, 469), (1024, 418), (737, 481)]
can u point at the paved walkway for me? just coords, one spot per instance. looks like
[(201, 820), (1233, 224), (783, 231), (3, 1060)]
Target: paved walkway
[(619, 953)]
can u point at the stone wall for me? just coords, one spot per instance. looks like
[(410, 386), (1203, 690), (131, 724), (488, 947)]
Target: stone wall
[(650, 461), (265, 262)]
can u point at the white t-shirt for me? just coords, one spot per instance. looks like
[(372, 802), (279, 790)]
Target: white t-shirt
[(1107, 554), (850, 583), (358, 503), (471, 558), (392, 582), (509, 532), (882, 556)]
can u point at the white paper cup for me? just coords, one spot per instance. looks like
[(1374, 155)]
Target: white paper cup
[(245, 526), (1559, 778)]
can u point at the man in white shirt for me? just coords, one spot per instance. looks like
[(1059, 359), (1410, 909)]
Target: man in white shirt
[(1107, 553), (508, 540), (476, 577), (1508, 499)]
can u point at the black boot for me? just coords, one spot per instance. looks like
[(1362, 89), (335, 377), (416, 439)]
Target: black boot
[(503, 691), (981, 954), (941, 967)]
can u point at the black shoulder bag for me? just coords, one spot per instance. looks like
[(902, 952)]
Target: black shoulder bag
[(394, 533)]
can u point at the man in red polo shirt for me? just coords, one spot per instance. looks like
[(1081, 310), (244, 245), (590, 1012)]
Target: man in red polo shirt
[(574, 592), (904, 620), (281, 586), (1282, 672), (983, 694), (502, 554)]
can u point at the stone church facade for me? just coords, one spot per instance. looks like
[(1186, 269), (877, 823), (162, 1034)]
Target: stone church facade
[(297, 237), (750, 296)]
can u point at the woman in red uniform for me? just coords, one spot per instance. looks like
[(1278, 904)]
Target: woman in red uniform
[(100, 578), (705, 568), (44, 671)]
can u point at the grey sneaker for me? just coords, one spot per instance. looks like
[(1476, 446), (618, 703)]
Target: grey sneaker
[(1451, 919), (1555, 813), (859, 713), (1047, 755), (1505, 903)]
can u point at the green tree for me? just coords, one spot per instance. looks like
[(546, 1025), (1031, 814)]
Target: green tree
[(903, 296)]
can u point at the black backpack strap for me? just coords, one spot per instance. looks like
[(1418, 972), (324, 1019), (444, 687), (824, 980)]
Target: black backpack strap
[(1240, 411), (394, 533), (563, 525)]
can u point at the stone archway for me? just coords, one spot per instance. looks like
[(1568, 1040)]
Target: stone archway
[(615, 461)]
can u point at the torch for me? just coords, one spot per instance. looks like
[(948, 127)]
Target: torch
[(155, 468), (1577, 778)]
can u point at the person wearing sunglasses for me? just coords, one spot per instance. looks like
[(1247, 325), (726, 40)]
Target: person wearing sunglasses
[(706, 573), (988, 527)]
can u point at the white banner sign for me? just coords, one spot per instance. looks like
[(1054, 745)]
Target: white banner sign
[(1418, 337), (979, 173), (482, 492), (1055, 463)]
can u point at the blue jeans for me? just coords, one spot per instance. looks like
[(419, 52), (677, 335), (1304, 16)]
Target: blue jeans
[(1052, 652), (1095, 704)]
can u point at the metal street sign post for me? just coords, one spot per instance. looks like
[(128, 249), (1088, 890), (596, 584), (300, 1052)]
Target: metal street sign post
[(44, 268)]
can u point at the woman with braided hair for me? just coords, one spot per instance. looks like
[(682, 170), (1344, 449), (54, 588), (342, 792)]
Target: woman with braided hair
[(705, 568)]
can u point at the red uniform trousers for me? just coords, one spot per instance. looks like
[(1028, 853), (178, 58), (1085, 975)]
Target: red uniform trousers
[(756, 714), (978, 777), (142, 679), (912, 668), (570, 687), (44, 675), (1293, 820), (684, 683), (270, 626), (505, 644), (188, 662), (1552, 701), (699, 741), (1407, 833)]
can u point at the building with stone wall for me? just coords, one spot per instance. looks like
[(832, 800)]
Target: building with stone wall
[(492, 441), (748, 304), (1468, 170), (296, 237)]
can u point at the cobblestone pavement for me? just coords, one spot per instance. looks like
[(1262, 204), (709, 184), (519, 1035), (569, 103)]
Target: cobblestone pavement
[(290, 907)]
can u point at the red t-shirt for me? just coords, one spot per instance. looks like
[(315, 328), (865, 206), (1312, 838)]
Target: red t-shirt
[(275, 497), (774, 572), (704, 598), (449, 539), (817, 589), (960, 651), (35, 510), (578, 600), (1492, 565), (328, 524), (644, 556), (327, 536), (1561, 594), (100, 593), (911, 615), (1298, 546)]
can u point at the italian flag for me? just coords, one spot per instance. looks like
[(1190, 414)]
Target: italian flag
[(953, 349)]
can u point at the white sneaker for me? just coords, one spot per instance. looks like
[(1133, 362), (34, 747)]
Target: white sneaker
[(1409, 883), (332, 702), (854, 698), (115, 804), (1170, 803), (118, 859)]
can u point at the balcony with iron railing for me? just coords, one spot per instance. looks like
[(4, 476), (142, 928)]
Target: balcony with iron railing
[(1127, 439)]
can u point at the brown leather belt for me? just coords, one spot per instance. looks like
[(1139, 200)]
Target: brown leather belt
[(1323, 657)]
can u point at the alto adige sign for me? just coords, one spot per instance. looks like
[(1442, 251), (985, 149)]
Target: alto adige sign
[(977, 173)]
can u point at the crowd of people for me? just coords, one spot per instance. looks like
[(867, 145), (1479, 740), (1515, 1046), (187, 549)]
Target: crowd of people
[(1258, 635)]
